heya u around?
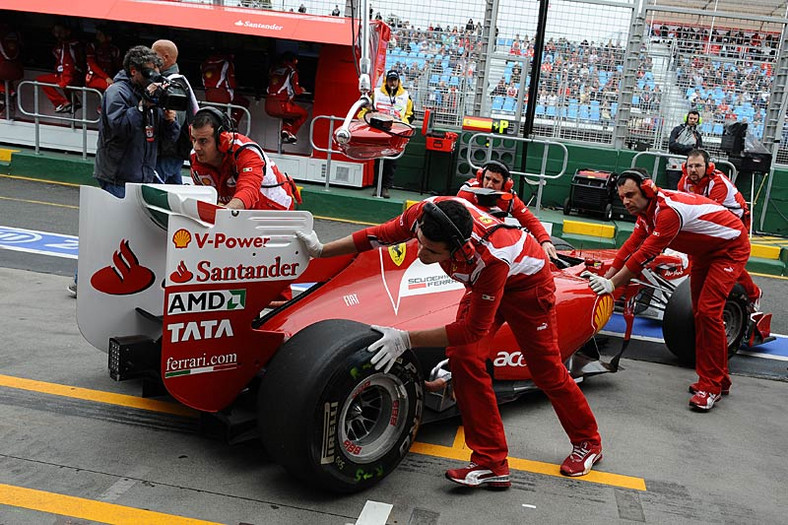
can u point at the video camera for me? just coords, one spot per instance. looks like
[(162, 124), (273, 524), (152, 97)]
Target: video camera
[(164, 96)]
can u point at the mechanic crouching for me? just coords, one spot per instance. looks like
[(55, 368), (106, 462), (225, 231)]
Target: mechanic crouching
[(718, 248), (509, 283)]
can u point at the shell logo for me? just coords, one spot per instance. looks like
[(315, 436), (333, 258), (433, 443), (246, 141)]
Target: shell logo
[(603, 309), (181, 238)]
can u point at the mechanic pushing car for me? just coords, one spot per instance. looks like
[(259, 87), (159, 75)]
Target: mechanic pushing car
[(701, 176), (495, 176), (718, 248), (243, 175), (507, 278)]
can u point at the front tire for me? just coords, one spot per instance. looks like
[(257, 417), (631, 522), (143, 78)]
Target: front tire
[(678, 323), (328, 417)]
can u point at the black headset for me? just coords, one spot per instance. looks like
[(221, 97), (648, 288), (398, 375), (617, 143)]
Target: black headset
[(457, 241), (221, 121), (642, 179), (501, 168)]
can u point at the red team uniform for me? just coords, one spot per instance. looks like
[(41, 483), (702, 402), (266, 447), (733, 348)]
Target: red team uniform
[(248, 174), (69, 70), (718, 248), (512, 205), (103, 61), (218, 79), (719, 188), (10, 66), (282, 87), (509, 280)]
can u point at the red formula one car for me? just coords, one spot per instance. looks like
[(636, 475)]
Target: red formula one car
[(176, 290)]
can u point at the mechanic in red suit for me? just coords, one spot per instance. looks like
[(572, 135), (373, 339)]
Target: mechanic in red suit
[(239, 169), (700, 176), (507, 279), (495, 175), (69, 70), (718, 248), (11, 68), (218, 79), (283, 86), (103, 60)]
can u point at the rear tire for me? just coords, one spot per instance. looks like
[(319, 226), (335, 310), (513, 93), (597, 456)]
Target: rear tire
[(328, 417), (678, 324)]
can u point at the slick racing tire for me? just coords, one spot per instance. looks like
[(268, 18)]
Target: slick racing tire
[(678, 324), (328, 417)]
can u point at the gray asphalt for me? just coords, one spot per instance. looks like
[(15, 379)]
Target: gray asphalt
[(722, 467)]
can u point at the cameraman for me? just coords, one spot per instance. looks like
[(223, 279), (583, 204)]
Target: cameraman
[(131, 125), (171, 157)]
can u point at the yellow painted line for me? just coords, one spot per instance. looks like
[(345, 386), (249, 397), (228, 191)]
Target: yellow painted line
[(606, 231), (527, 465), (33, 179), (770, 276), (62, 505), (408, 203), (28, 201), (765, 251), (96, 396), (5, 154)]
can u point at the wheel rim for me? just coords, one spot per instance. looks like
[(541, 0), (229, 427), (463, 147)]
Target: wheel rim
[(733, 317), (373, 417)]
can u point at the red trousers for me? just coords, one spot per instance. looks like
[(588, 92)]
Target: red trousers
[(293, 116), (526, 312), (222, 96), (53, 94), (711, 280)]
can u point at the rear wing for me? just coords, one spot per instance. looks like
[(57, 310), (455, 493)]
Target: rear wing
[(167, 239)]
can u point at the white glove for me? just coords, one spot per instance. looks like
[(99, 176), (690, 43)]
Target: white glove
[(313, 245), (389, 347), (599, 284)]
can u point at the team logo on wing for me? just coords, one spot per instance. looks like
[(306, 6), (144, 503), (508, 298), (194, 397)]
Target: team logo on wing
[(603, 309), (397, 253), (125, 276), (182, 238)]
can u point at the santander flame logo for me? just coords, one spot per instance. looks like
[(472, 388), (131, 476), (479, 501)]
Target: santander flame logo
[(181, 274), (125, 276)]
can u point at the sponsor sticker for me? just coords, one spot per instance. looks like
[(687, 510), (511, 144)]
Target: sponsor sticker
[(214, 301), (203, 364)]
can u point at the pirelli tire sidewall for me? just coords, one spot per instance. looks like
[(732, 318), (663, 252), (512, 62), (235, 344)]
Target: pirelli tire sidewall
[(328, 417), (678, 323)]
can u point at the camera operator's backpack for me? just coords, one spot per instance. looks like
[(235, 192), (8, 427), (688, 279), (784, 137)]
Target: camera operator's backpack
[(183, 145)]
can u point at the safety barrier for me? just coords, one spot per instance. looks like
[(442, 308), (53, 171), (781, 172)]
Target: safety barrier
[(542, 175), (83, 121)]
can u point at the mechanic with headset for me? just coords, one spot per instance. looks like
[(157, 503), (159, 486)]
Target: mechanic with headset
[(684, 138), (495, 175), (239, 169), (701, 176), (718, 249), (507, 279)]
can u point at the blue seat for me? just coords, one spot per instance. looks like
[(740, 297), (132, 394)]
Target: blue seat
[(550, 111), (613, 109), (434, 79), (595, 114), (585, 109), (454, 81), (718, 129), (509, 103), (540, 110), (635, 100), (445, 79), (497, 104), (571, 111)]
